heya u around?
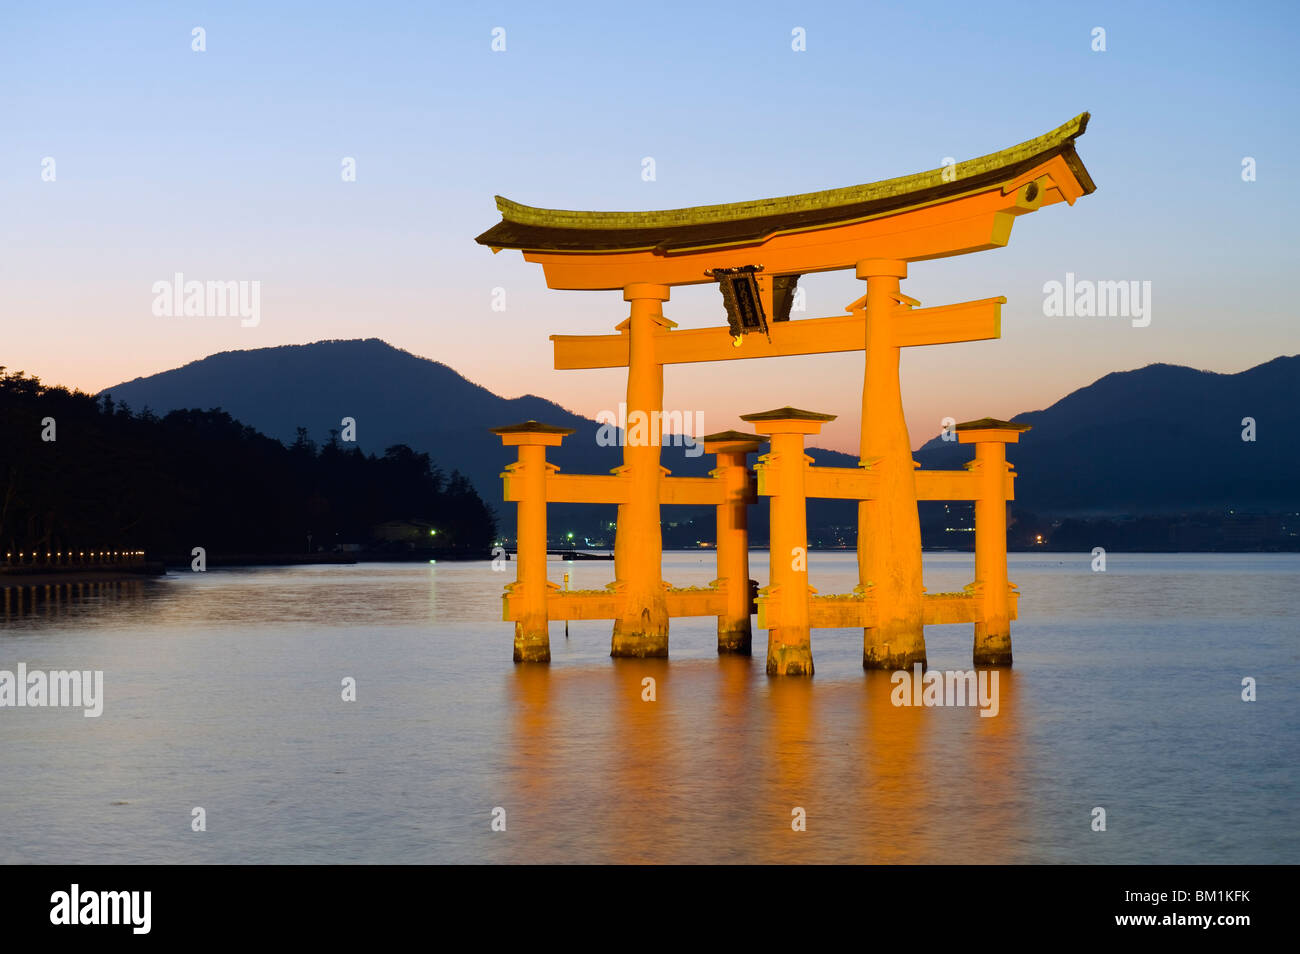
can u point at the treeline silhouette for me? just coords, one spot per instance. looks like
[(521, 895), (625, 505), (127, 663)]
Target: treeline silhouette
[(112, 478)]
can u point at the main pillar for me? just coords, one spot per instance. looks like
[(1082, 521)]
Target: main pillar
[(993, 629), (731, 447), (889, 526), (525, 483), (782, 478), (641, 627)]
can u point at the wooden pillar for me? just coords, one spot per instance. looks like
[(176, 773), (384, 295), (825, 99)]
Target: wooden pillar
[(993, 628), (781, 478), (731, 447), (641, 628), (889, 526), (525, 483)]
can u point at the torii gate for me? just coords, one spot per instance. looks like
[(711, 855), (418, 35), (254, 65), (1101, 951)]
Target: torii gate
[(877, 229)]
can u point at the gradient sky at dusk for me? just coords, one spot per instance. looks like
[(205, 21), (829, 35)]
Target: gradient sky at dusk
[(225, 165)]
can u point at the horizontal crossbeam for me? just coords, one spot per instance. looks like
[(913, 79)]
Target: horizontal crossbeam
[(853, 483), (827, 483), (604, 604), (943, 324), (850, 612), (824, 612), (616, 489)]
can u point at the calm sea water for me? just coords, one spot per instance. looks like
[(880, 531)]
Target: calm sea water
[(223, 690)]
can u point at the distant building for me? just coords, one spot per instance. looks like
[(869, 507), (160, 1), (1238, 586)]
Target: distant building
[(415, 534)]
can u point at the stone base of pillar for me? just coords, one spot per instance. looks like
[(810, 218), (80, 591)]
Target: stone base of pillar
[(641, 631), (992, 644), (893, 647), (532, 644), (735, 637), (629, 644), (789, 652)]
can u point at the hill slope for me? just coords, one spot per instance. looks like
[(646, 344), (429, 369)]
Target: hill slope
[(1158, 439), (396, 398)]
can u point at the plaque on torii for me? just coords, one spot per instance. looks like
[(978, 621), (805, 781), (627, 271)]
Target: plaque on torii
[(876, 229)]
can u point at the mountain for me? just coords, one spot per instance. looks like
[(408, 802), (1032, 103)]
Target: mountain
[(1160, 439), (121, 481), (1154, 440), (395, 397)]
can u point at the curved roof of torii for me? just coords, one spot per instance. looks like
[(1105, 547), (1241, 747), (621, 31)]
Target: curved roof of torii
[(681, 230)]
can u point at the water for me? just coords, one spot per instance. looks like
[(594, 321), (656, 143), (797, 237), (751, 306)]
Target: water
[(223, 690)]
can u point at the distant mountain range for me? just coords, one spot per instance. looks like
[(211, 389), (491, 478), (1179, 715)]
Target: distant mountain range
[(395, 397), (1160, 439)]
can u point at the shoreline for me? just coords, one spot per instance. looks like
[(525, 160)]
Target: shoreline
[(21, 576)]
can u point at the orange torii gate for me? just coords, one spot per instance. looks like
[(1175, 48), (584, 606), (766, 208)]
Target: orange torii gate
[(756, 251)]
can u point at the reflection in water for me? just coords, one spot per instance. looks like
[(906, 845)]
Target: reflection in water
[(740, 749), (996, 773), (532, 775), (895, 777), (714, 769), (223, 686), (641, 770), (55, 601), (940, 784), (791, 783)]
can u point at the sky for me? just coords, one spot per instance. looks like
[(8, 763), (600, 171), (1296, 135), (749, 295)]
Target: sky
[(226, 165)]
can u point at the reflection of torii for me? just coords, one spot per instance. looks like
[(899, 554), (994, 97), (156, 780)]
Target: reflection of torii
[(877, 229)]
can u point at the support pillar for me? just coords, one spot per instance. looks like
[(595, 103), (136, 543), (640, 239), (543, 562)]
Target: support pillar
[(993, 629), (731, 447), (641, 628), (781, 478), (525, 483), (889, 526)]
